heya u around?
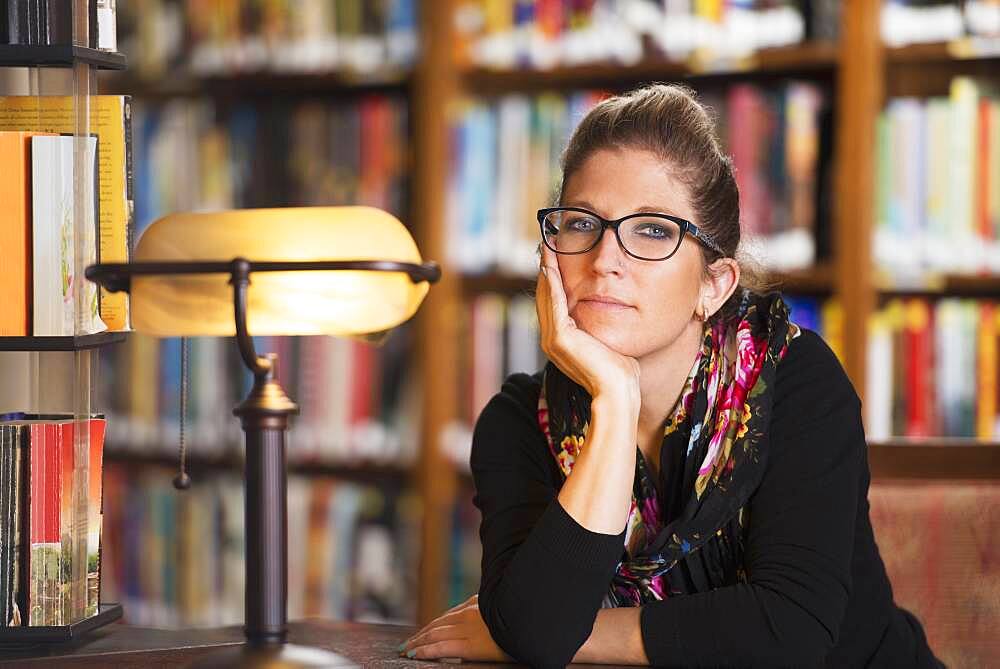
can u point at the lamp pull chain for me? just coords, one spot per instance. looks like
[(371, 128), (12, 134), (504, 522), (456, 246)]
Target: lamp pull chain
[(182, 481)]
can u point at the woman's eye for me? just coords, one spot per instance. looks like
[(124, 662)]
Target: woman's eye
[(653, 230), (582, 224)]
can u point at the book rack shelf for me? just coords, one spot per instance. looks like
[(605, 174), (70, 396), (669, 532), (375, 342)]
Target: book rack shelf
[(800, 60), (261, 84), (377, 474), (61, 343), (62, 71), (19, 55), (17, 638)]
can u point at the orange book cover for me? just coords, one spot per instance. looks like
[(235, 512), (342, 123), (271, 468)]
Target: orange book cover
[(986, 371), (15, 234), (981, 206)]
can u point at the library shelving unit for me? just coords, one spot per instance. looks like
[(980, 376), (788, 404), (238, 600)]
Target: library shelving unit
[(858, 68), (57, 374)]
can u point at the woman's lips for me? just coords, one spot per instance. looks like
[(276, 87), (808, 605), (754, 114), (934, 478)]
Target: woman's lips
[(602, 305)]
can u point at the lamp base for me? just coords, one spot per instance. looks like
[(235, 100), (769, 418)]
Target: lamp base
[(271, 656)]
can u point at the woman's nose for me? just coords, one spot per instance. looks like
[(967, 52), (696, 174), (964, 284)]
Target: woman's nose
[(608, 255)]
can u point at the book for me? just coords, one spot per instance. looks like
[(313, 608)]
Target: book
[(106, 24), (110, 120), (63, 302), (46, 574), (15, 234), (56, 24), (95, 510), (12, 502), (18, 20)]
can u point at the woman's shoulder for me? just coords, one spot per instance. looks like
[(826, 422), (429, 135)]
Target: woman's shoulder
[(809, 369), (510, 419), (521, 389)]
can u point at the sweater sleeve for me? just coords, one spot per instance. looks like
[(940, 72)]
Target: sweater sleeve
[(543, 574), (800, 535)]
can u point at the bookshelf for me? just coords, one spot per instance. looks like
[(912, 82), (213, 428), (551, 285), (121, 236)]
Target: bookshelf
[(47, 90), (44, 55), (861, 72), (78, 343)]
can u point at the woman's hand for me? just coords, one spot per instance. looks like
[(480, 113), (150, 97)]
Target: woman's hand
[(581, 356), (459, 633)]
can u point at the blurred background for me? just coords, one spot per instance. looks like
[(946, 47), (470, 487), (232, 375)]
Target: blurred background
[(866, 138)]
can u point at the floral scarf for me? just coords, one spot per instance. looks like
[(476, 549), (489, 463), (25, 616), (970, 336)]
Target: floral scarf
[(720, 421)]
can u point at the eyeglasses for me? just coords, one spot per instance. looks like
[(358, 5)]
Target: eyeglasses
[(646, 236)]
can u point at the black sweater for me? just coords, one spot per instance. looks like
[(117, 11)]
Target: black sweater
[(817, 592)]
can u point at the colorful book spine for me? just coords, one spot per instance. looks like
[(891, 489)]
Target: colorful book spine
[(937, 192), (933, 369)]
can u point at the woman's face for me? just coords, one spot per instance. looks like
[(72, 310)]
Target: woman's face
[(659, 297)]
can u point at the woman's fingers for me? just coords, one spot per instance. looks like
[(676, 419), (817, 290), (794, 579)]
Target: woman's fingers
[(452, 649), (434, 634), (446, 618), (556, 294)]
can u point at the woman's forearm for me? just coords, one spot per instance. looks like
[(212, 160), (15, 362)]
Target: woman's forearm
[(599, 491), (616, 639)]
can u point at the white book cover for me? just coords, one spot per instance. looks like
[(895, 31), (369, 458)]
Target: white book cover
[(878, 395), (55, 270)]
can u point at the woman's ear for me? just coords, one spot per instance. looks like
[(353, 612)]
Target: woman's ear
[(722, 280)]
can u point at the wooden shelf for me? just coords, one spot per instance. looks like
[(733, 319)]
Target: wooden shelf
[(817, 280), (61, 343), (939, 458), (960, 51), (800, 59), (62, 55), (259, 84), (363, 473), (947, 285)]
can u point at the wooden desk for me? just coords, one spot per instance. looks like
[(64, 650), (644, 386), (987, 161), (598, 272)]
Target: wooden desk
[(122, 646)]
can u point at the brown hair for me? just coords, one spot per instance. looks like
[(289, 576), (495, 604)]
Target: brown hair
[(667, 120)]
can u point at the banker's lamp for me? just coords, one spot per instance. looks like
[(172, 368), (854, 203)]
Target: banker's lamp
[(348, 271)]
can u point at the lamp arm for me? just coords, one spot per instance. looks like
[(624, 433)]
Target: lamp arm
[(240, 280)]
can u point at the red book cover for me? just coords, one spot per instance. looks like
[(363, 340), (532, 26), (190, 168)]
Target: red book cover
[(361, 382), (374, 121), (72, 531), (919, 367), (45, 507), (747, 125), (95, 506)]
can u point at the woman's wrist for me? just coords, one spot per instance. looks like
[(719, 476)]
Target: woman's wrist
[(620, 410)]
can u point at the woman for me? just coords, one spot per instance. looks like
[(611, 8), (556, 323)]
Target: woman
[(724, 439)]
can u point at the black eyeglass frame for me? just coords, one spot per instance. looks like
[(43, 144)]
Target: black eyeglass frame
[(686, 226)]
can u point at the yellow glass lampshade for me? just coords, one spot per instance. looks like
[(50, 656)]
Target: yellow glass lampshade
[(341, 302)]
